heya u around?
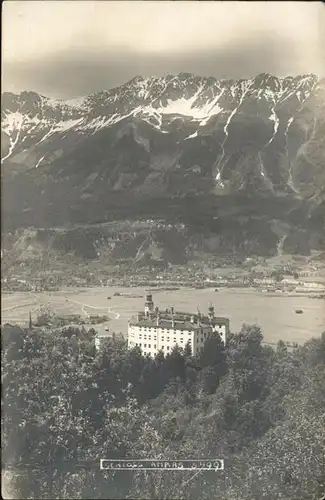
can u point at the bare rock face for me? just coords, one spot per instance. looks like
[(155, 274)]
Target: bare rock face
[(148, 145)]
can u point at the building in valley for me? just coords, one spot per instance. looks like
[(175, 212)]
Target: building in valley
[(153, 330)]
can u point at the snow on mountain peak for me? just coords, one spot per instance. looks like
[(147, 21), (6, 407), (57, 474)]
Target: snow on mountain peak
[(154, 100)]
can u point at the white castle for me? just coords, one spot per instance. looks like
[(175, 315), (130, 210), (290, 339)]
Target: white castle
[(154, 330)]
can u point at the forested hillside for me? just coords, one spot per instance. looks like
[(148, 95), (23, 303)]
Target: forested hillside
[(66, 405)]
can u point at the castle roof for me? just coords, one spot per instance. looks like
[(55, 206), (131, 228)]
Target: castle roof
[(182, 321)]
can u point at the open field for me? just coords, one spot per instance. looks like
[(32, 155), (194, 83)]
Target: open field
[(275, 315)]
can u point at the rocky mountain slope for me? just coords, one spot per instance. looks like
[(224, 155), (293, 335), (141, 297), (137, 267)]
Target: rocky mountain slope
[(193, 146)]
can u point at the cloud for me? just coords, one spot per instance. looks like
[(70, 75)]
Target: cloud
[(74, 73), (31, 27), (67, 49)]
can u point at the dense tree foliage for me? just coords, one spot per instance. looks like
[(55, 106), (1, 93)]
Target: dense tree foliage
[(66, 405)]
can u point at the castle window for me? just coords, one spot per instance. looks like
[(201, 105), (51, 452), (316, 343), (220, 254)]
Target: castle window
[(168, 348), (149, 346), (154, 346), (144, 345), (167, 339)]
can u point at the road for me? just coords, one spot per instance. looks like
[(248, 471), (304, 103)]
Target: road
[(109, 309)]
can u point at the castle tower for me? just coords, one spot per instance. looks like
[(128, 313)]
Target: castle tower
[(148, 306)]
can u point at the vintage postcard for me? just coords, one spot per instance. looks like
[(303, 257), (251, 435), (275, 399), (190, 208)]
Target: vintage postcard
[(163, 250)]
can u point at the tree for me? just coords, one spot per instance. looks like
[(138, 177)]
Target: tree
[(249, 361), (175, 364), (213, 363), (260, 409)]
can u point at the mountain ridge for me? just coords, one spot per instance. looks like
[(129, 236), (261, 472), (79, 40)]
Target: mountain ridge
[(160, 102), (157, 143)]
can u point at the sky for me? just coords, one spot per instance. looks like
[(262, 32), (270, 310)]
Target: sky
[(68, 49)]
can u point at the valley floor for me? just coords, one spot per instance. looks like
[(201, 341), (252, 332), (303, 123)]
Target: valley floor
[(274, 313)]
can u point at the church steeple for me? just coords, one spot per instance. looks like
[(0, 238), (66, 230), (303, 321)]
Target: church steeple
[(211, 313)]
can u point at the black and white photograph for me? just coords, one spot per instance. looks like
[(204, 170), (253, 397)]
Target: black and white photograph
[(163, 250)]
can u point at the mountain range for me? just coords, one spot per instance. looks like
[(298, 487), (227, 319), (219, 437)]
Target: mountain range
[(219, 155)]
